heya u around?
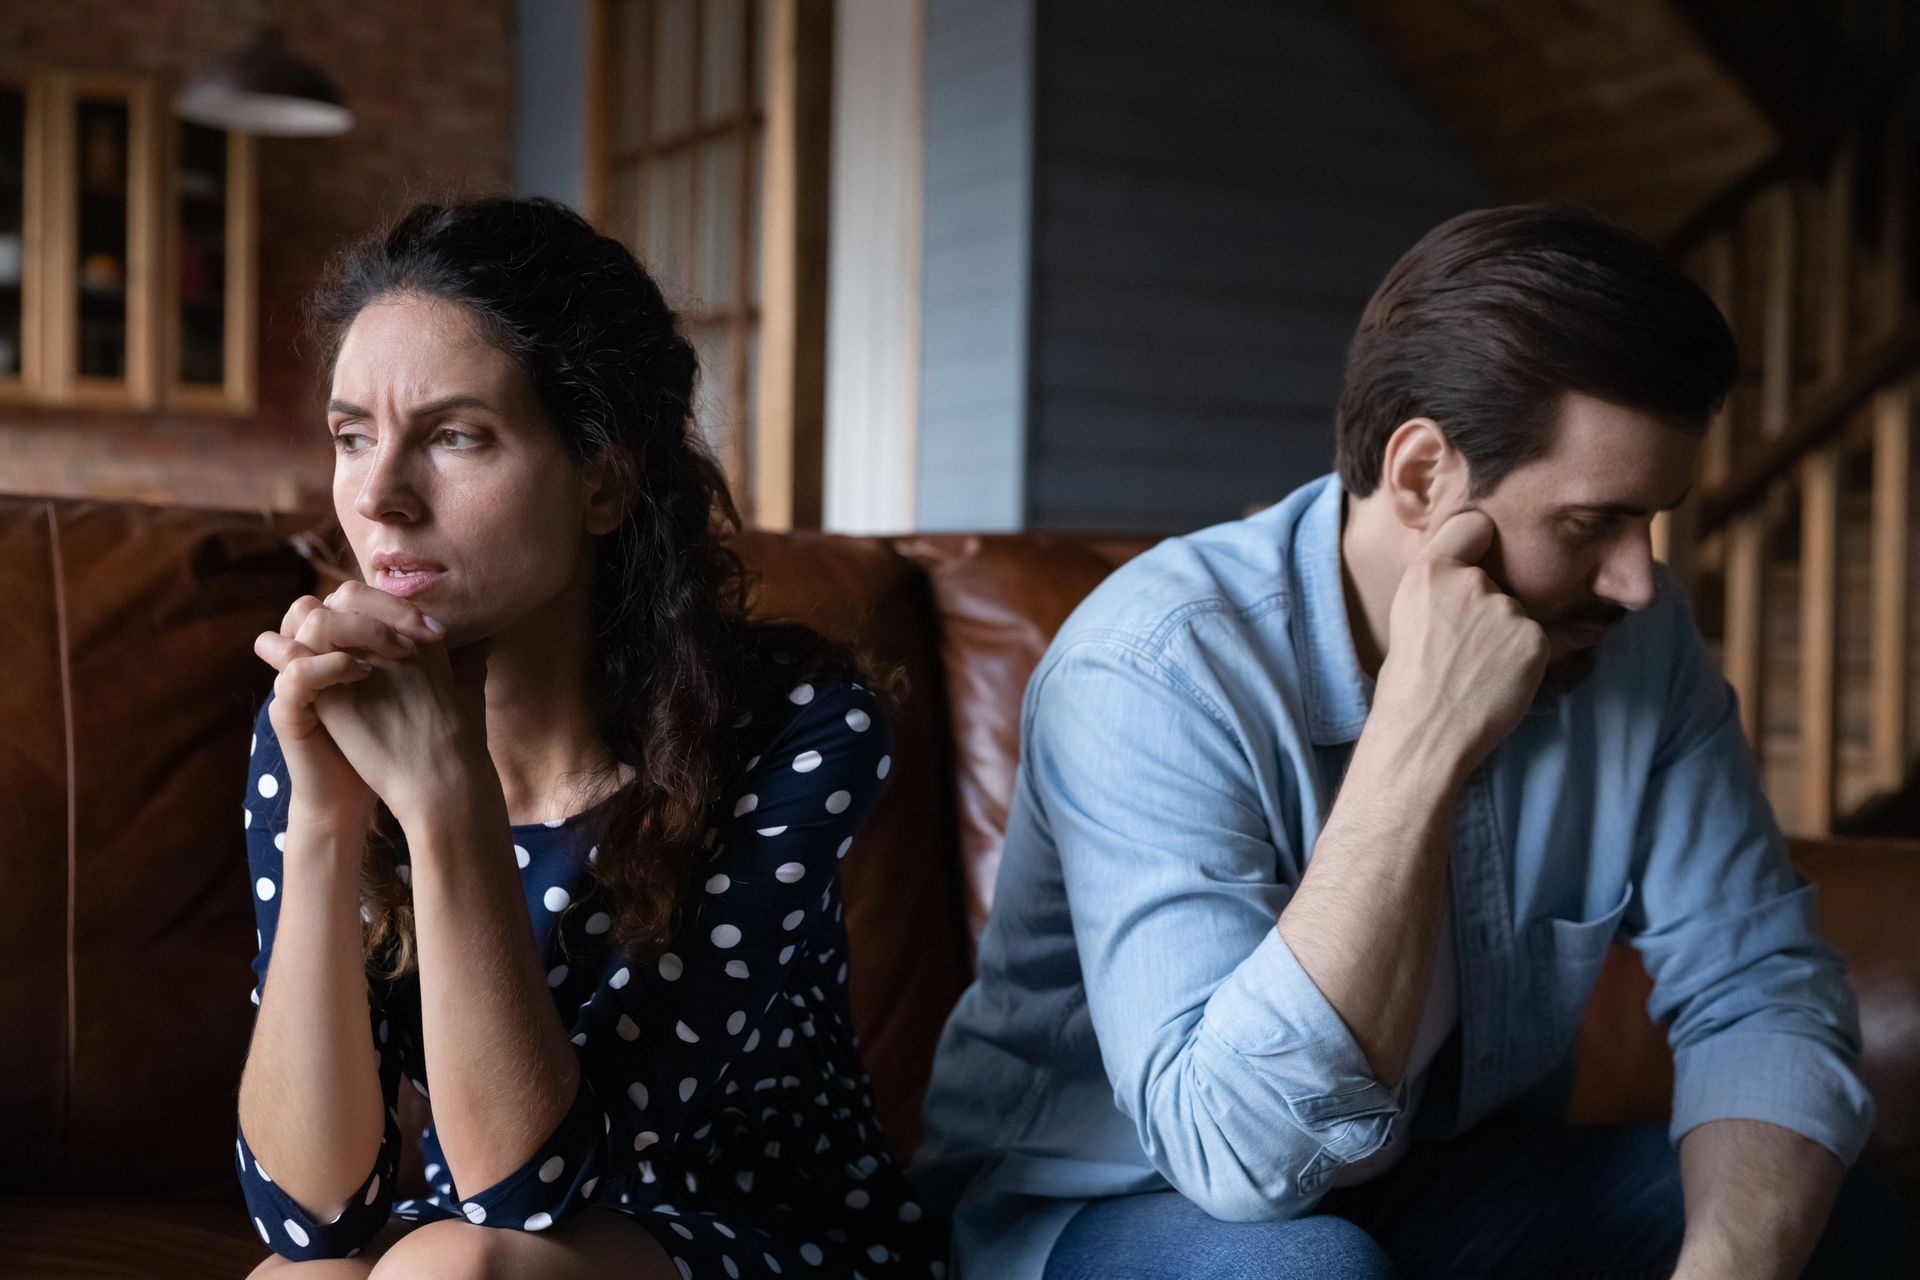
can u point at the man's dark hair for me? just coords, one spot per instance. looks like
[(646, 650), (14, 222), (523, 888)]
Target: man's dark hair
[(1495, 315)]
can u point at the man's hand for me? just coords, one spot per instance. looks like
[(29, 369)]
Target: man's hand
[(1463, 659)]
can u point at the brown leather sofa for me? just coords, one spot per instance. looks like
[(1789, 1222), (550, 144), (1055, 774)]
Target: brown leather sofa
[(127, 685)]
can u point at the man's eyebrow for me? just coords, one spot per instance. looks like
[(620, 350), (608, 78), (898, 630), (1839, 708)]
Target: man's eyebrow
[(426, 410), (1624, 508)]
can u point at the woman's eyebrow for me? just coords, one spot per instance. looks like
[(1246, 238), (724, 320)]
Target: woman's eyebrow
[(426, 410)]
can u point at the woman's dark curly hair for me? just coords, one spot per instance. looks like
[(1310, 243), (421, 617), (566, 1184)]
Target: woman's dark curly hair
[(679, 659)]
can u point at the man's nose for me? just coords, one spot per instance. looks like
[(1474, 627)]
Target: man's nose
[(1626, 578)]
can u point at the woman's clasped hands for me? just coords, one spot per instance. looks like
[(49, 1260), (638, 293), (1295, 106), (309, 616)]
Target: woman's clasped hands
[(370, 703)]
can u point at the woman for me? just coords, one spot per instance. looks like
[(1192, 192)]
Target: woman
[(597, 914)]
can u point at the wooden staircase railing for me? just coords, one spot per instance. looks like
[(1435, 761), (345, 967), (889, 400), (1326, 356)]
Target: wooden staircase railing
[(1809, 259)]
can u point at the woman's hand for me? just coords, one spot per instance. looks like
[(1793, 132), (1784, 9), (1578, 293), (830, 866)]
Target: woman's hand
[(320, 652), (415, 724)]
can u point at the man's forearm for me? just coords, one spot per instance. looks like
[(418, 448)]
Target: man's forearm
[(1757, 1197), (1365, 919)]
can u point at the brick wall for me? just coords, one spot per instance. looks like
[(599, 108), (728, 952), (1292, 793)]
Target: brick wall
[(431, 84)]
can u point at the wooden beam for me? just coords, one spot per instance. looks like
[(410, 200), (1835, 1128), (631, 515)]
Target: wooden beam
[(787, 446), (1819, 615), (1745, 620)]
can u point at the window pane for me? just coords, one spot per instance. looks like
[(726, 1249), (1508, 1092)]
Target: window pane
[(101, 159), (712, 401), (13, 249), (756, 178), (721, 37), (669, 221), (201, 262), (672, 67), (718, 260), (760, 54), (627, 77)]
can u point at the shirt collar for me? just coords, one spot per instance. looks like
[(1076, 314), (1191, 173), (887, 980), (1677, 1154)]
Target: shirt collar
[(1338, 693)]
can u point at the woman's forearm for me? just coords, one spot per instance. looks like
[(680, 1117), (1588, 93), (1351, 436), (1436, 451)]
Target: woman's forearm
[(310, 1102), (498, 1061)]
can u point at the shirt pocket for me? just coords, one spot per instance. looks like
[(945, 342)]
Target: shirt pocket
[(1567, 957)]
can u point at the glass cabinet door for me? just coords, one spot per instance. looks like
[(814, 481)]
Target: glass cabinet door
[(15, 252), (208, 273), (101, 324)]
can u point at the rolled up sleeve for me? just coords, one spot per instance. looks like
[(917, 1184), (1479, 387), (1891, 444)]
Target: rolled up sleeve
[(1761, 1018), (1246, 1089)]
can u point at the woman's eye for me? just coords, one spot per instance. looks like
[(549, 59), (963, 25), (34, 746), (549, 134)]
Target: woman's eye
[(457, 439), (349, 441)]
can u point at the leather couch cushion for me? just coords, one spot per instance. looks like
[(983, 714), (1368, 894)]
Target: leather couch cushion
[(124, 969)]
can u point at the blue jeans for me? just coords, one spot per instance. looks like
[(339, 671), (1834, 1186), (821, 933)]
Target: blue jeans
[(1505, 1201)]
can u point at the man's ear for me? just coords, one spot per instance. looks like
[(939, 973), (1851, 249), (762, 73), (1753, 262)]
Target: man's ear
[(608, 491), (1422, 474)]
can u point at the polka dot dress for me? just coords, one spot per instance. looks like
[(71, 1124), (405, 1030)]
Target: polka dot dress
[(722, 1103)]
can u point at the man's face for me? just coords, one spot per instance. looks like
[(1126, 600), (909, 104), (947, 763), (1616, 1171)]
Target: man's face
[(1574, 541)]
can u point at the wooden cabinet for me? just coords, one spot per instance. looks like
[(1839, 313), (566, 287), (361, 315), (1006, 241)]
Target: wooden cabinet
[(138, 246)]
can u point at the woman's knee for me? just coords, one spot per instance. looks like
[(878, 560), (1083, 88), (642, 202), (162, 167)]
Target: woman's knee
[(275, 1267)]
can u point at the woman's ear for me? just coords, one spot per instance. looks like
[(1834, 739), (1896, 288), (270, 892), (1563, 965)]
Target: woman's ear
[(1422, 474), (608, 491)]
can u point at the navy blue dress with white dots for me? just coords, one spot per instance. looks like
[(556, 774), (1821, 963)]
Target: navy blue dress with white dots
[(722, 1103)]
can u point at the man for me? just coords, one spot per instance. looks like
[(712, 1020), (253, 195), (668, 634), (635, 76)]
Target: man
[(1325, 820)]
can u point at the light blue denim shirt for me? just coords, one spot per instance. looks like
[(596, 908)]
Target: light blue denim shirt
[(1139, 1024)]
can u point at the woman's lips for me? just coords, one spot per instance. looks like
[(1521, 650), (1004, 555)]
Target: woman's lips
[(403, 583)]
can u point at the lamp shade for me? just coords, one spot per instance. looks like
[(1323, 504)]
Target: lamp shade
[(263, 88)]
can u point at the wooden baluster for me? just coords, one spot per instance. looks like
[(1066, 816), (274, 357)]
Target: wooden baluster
[(1892, 475), (1820, 523), (1892, 514)]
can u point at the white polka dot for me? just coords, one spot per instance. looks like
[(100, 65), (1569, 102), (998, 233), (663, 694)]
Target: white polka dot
[(253, 744), (538, 1221), (857, 1199), (806, 762), (838, 801), (599, 922), (746, 804), (556, 899), (773, 1263), (373, 1191), (580, 1038), (727, 1262), (556, 822), (786, 1038), (627, 1029), (552, 1169), (521, 856), (638, 1092), (726, 937), (586, 1188), (909, 1212), (280, 841), (753, 1042), (619, 978), (680, 1264), (858, 720), (771, 831), (295, 1232), (802, 694), (641, 1141), (475, 1214), (718, 884), (789, 872), (593, 854), (793, 920), (261, 1170), (736, 968), (670, 967), (261, 1227), (685, 1032), (886, 763), (878, 1252), (246, 816), (811, 1252), (270, 787), (557, 975), (405, 871), (752, 761), (786, 954), (737, 1022), (687, 1087), (264, 887), (845, 845)]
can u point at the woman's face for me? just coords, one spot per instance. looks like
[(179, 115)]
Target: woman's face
[(450, 479)]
